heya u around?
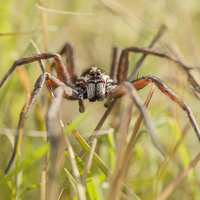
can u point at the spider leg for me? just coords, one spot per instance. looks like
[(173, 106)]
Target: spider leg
[(114, 64), (127, 88), (53, 82), (123, 67), (142, 82), (113, 73), (192, 77), (67, 50), (56, 139), (60, 69), (123, 62)]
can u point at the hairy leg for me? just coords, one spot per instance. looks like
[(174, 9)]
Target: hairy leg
[(126, 88), (142, 82), (56, 139), (61, 71), (68, 52), (114, 64), (53, 82), (123, 62)]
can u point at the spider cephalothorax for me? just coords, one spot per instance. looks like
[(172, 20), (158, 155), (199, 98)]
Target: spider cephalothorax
[(95, 83)]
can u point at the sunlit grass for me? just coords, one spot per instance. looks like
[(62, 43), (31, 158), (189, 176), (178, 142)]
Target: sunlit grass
[(121, 23)]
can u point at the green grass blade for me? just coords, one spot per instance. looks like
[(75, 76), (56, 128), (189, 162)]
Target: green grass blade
[(90, 187), (37, 154), (71, 180), (111, 141), (96, 158)]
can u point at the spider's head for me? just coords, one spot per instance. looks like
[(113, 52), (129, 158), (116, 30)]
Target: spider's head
[(96, 83), (95, 80)]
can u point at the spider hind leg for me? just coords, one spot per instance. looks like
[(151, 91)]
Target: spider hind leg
[(142, 82), (68, 52)]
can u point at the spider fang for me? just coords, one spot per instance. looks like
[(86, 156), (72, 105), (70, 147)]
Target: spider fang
[(96, 91)]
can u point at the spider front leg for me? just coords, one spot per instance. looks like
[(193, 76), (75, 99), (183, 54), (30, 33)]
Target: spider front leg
[(68, 52), (81, 104), (53, 82), (144, 81), (60, 68)]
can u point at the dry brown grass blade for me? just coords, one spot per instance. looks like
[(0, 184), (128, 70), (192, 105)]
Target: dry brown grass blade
[(127, 89), (118, 173), (61, 11), (172, 186), (97, 159), (155, 185), (38, 52), (80, 186), (99, 162), (24, 78), (129, 149), (88, 162), (45, 158), (99, 125), (124, 153), (56, 140), (26, 84), (43, 16)]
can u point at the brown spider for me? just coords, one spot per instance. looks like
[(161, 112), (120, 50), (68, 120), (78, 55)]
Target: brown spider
[(94, 84)]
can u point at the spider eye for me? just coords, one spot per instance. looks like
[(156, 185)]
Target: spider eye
[(98, 73), (91, 73)]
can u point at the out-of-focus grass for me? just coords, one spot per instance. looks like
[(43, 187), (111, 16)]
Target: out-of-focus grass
[(121, 23)]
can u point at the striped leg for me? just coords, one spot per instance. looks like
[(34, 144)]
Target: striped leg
[(144, 81), (68, 52), (60, 68), (53, 82)]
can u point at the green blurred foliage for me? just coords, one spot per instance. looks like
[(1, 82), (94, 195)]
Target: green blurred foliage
[(121, 23)]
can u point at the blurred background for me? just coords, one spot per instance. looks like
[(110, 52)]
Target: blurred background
[(93, 29)]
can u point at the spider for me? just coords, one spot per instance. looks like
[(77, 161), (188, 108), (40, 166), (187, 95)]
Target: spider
[(94, 84)]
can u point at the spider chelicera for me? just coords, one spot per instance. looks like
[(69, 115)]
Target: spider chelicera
[(94, 84)]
